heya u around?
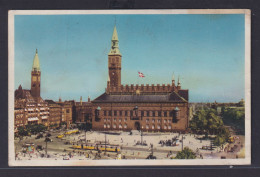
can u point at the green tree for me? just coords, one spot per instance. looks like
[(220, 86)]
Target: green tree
[(22, 131), (206, 121), (222, 137), (35, 128), (235, 117), (186, 153)]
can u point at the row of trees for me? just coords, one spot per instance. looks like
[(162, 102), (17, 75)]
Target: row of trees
[(234, 117), (206, 121), (31, 129)]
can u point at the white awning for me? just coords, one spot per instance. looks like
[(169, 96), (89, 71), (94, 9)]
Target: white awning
[(44, 117), (33, 119)]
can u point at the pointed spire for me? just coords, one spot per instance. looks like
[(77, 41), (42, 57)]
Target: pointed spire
[(179, 83), (173, 79), (114, 44), (115, 36), (36, 62)]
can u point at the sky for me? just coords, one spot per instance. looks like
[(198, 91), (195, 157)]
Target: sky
[(205, 51)]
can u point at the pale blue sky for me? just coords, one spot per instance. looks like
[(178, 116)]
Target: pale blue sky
[(207, 51)]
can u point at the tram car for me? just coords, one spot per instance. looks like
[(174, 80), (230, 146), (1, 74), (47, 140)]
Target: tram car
[(72, 132), (98, 147)]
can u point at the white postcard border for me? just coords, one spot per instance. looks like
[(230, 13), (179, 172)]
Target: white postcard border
[(11, 149)]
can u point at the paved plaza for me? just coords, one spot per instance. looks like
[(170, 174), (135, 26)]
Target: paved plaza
[(60, 149)]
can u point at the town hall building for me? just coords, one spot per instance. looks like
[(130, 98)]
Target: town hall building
[(138, 107)]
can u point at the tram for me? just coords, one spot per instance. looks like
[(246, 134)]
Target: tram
[(98, 147)]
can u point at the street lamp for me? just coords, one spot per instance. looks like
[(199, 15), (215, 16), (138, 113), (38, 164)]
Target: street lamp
[(46, 140), (105, 143), (142, 135)]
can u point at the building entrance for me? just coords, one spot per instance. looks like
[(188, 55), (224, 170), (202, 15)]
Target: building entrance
[(137, 126)]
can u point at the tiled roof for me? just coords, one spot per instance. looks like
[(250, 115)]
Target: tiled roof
[(172, 97), (184, 94)]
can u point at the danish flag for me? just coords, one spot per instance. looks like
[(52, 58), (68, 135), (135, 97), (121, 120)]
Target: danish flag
[(140, 74)]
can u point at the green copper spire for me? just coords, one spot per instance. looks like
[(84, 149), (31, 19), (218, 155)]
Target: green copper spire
[(114, 44), (36, 62)]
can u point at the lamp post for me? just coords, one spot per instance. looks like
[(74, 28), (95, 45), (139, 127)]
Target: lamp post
[(152, 150), (182, 143), (46, 140), (142, 135), (105, 143)]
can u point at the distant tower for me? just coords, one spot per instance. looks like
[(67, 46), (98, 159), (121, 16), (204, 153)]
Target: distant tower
[(36, 77), (88, 99), (114, 61)]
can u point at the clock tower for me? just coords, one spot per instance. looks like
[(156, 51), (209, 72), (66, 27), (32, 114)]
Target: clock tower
[(36, 77), (114, 62)]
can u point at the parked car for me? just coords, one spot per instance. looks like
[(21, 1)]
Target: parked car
[(39, 136), (39, 147)]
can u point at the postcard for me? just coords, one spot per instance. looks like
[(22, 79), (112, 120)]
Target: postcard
[(129, 87)]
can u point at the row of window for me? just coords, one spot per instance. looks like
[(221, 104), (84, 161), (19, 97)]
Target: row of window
[(146, 127), (143, 113), (147, 120)]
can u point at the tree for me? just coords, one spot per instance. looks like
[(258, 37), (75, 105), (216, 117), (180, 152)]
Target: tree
[(22, 131), (235, 117), (186, 153), (35, 128), (206, 121), (222, 137)]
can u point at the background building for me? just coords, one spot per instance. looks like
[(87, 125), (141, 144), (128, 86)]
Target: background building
[(30, 108)]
